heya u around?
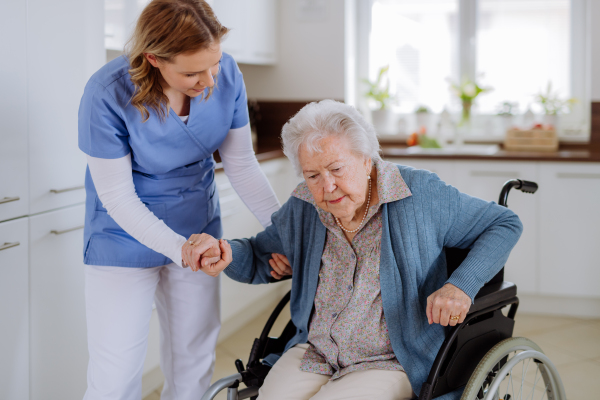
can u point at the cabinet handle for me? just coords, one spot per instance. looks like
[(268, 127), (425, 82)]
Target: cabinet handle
[(9, 199), (67, 189), (54, 232), (501, 174), (577, 175), (9, 245)]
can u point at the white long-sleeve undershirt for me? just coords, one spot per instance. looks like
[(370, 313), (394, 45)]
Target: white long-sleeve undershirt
[(113, 180)]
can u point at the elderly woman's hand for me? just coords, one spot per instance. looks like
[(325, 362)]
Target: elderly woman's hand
[(200, 246), (214, 269), (281, 266), (446, 304)]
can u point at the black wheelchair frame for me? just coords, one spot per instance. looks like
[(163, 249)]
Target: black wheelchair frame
[(465, 344)]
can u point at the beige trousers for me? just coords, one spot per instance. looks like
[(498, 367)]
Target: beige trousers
[(287, 382)]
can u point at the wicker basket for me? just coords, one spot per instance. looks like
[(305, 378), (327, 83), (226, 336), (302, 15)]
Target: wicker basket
[(531, 140)]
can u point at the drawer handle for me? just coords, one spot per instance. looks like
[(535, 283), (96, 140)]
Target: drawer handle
[(54, 232), (577, 175), (67, 189), (9, 245), (9, 199), (501, 174)]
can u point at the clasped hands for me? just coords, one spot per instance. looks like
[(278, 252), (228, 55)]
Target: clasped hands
[(202, 252)]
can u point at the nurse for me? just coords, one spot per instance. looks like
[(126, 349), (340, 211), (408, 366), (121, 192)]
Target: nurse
[(149, 123)]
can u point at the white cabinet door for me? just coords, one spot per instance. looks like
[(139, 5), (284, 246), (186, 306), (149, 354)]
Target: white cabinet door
[(65, 45), (253, 24), (59, 353), (443, 168), (14, 196), (261, 22), (231, 13), (14, 311), (570, 229), (485, 180)]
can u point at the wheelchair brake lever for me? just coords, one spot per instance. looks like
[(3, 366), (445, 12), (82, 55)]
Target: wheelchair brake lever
[(239, 365)]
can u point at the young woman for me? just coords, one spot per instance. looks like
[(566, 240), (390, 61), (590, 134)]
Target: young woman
[(149, 123)]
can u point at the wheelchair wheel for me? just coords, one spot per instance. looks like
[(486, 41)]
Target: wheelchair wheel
[(515, 369)]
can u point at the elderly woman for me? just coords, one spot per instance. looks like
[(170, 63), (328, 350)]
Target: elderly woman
[(365, 239)]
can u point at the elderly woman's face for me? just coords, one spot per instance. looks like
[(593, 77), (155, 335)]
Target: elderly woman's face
[(336, 177)]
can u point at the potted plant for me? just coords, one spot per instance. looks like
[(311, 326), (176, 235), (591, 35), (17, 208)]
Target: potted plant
[(379, 94), (467, 91), (422, 116), (552, 105)]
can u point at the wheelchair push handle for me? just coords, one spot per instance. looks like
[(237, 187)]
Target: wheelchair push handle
[(523, 186)]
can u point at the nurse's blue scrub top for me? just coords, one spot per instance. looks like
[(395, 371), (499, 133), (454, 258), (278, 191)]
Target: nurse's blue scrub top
[(173, 167)]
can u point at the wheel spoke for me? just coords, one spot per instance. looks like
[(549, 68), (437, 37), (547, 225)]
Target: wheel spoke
[(535, 381), (545, 390), (510, 383)]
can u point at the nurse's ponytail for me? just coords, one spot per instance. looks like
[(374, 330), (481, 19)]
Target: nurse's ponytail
[(167, 28)]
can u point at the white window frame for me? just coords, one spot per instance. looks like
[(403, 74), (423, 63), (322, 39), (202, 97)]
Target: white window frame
[(358, 30)]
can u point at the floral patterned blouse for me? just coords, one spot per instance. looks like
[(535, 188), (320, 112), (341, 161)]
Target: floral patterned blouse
[(348, 331)]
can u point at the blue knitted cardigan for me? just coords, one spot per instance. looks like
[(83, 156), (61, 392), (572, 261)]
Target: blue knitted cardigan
[(413, 264)]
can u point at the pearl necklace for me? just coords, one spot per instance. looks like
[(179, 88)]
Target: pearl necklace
[(364, 216)]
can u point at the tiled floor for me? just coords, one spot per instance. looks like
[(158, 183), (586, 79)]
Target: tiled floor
[(573, 345)]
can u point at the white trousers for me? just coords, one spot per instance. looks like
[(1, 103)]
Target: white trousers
[(119, 306), (285, 381)]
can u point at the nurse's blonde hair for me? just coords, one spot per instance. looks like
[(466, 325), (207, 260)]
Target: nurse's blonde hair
[(165, 29)]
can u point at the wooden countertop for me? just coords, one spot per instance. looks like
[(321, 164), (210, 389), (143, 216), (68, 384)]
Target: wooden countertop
[(566, 152)]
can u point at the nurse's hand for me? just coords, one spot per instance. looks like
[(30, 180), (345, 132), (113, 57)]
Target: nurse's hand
[(215, 269), (200, 250), (281, 266)]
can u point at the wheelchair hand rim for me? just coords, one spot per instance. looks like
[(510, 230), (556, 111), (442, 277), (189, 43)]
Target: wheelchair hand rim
[(555, 380)]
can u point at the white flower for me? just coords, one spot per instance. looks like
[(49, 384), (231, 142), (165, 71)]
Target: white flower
[(469, 89)]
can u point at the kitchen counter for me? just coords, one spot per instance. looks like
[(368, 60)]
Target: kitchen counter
[(566, 152)]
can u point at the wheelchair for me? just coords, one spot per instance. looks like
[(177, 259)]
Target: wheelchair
[(480, 354)]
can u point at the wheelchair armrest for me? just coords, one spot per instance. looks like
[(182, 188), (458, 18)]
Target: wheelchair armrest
[(493, 293)]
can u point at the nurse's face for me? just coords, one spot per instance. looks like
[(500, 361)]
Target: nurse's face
[(189, 73)]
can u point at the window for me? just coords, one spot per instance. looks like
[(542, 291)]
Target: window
[(417, 39), (521, 46), (516, 47)]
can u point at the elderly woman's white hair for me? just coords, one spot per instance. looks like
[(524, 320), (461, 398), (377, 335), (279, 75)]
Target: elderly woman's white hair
[(319, 120)]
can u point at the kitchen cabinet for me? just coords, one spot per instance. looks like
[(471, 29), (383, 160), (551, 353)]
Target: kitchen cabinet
[(14, 191), (253, 24), (485, 180), (14, 310), (63, 50), (569, 229), (58, 341)]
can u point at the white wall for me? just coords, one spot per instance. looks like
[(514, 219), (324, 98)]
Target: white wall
[(310, 62), (594, 17)]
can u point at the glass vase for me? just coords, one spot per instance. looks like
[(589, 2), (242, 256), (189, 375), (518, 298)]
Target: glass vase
[(466, 112)]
